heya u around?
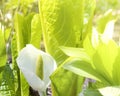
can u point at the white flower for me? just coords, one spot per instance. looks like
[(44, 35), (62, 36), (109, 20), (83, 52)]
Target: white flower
[(28, 61)]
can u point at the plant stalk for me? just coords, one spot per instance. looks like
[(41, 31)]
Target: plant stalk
[(42, 93)]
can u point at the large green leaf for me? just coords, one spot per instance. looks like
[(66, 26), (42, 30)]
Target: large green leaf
[(3, 57), (62, 22), (23, 29), (19, 31), (62, 25), (36, 31)]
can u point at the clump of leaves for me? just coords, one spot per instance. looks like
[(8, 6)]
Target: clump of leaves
[(100, 62)]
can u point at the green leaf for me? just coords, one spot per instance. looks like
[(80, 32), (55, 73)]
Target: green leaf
[(73, 52), (110, 91), (19, 31), (23, 29), (62, 23), (3, 57), (81, 67), (104, 59), (36, 31), (7, 87), (66, 83)]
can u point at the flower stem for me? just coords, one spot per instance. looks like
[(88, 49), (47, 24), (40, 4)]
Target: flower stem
[(42, 93)]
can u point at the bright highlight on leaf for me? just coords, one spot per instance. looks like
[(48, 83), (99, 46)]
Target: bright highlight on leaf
[(36, 66), (110, 91), (108, 32)]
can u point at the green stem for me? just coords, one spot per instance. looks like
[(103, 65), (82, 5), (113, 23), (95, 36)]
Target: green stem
[(42, 93), (19, 82)]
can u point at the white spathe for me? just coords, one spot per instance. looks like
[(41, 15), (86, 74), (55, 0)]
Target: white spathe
[(26, 61)]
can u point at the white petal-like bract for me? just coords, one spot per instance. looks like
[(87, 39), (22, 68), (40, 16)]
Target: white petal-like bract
[(26, 61)]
